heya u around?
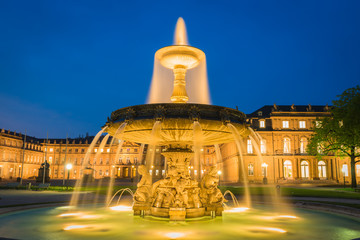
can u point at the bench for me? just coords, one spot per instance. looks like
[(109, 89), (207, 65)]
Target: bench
[(357, 189)]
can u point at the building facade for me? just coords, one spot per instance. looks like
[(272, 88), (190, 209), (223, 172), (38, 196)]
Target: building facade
[(275, 152)]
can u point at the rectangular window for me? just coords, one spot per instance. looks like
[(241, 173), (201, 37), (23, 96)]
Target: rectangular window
[(262, 146), (302, 124), (345, 170), (262, 123), (285, 124), (249, 146), (251, 169), (357, 169)]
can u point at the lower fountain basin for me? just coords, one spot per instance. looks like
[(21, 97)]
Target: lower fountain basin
[(260, 222)]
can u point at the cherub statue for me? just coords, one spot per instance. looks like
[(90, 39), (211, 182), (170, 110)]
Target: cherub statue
[(143, 192), (209, 189)]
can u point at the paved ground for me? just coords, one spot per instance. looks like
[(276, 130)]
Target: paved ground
[(13, 200)]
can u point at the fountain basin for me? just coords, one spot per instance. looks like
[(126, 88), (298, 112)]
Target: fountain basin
[(260, 222), (177, 123)]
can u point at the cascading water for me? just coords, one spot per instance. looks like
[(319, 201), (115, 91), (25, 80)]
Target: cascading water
[(118, 133), (78, 184), (150, 154), (198, 144), (218, 159), (238, 142)]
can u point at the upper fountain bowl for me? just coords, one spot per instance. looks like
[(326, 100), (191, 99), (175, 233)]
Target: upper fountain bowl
[(183, 55), (177, 122)]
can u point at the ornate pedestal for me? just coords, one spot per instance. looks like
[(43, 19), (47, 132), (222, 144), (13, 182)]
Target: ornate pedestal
[(177, 196)]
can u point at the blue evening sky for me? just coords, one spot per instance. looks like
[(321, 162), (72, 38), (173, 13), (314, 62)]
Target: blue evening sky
[(66, 65)]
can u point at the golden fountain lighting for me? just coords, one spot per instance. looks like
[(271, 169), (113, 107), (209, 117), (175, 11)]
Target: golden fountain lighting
[(179, 58)]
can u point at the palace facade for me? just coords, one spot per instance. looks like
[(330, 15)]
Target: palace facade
[(275, 153)]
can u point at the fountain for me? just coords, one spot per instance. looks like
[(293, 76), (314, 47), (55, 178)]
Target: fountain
[(181, 129), (181, 126)]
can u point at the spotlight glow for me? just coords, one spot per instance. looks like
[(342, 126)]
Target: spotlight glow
[(174, 235), (70, 214), (72, 227), (279, 217), (238, 209), (271, 229), (121, 208)]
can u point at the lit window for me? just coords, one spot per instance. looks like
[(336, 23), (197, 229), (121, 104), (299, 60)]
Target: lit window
[(304, 167), (319, 148), (287, 145), (303, 144), (249, 146), (318, 124), (102, 150), (285, 124), (262, 123), (259, 113), (108, 150), (163, 172), (51, 149), (322, 169), (287, 169), (251, 169), (95, 150), (263, 146), (344, 170), (341, 123), (128, 150), (150, 171), (302, 124), (357, 169), (157, 172)]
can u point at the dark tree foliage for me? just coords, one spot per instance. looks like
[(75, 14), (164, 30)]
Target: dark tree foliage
[(339, 133)]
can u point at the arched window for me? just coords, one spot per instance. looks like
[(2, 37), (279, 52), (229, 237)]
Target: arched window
[(251, 169), (288, 169), (303, 144), (322, 169), (287, 145), (304, 167)]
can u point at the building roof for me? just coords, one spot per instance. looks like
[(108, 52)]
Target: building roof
[(269, 110)]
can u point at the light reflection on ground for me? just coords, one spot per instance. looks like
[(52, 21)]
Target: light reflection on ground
[(260, 222)]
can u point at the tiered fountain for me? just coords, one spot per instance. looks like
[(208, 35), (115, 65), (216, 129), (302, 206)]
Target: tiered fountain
[(181, 127)]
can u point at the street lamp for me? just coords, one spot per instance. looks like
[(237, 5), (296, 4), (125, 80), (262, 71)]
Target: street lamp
[(264, 165), (68, 167), (219, 173)]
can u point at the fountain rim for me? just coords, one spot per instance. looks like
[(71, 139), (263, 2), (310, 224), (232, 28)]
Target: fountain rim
[(198, 51), (191, 111)]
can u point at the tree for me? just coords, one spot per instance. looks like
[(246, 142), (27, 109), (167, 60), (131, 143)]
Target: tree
[(339, 133)]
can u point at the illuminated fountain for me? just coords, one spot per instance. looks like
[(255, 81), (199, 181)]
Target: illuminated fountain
[(181, 124), (181, 129)]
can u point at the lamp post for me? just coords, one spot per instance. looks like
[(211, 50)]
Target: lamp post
[(219, 173), (68, 167), (264, 165)]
